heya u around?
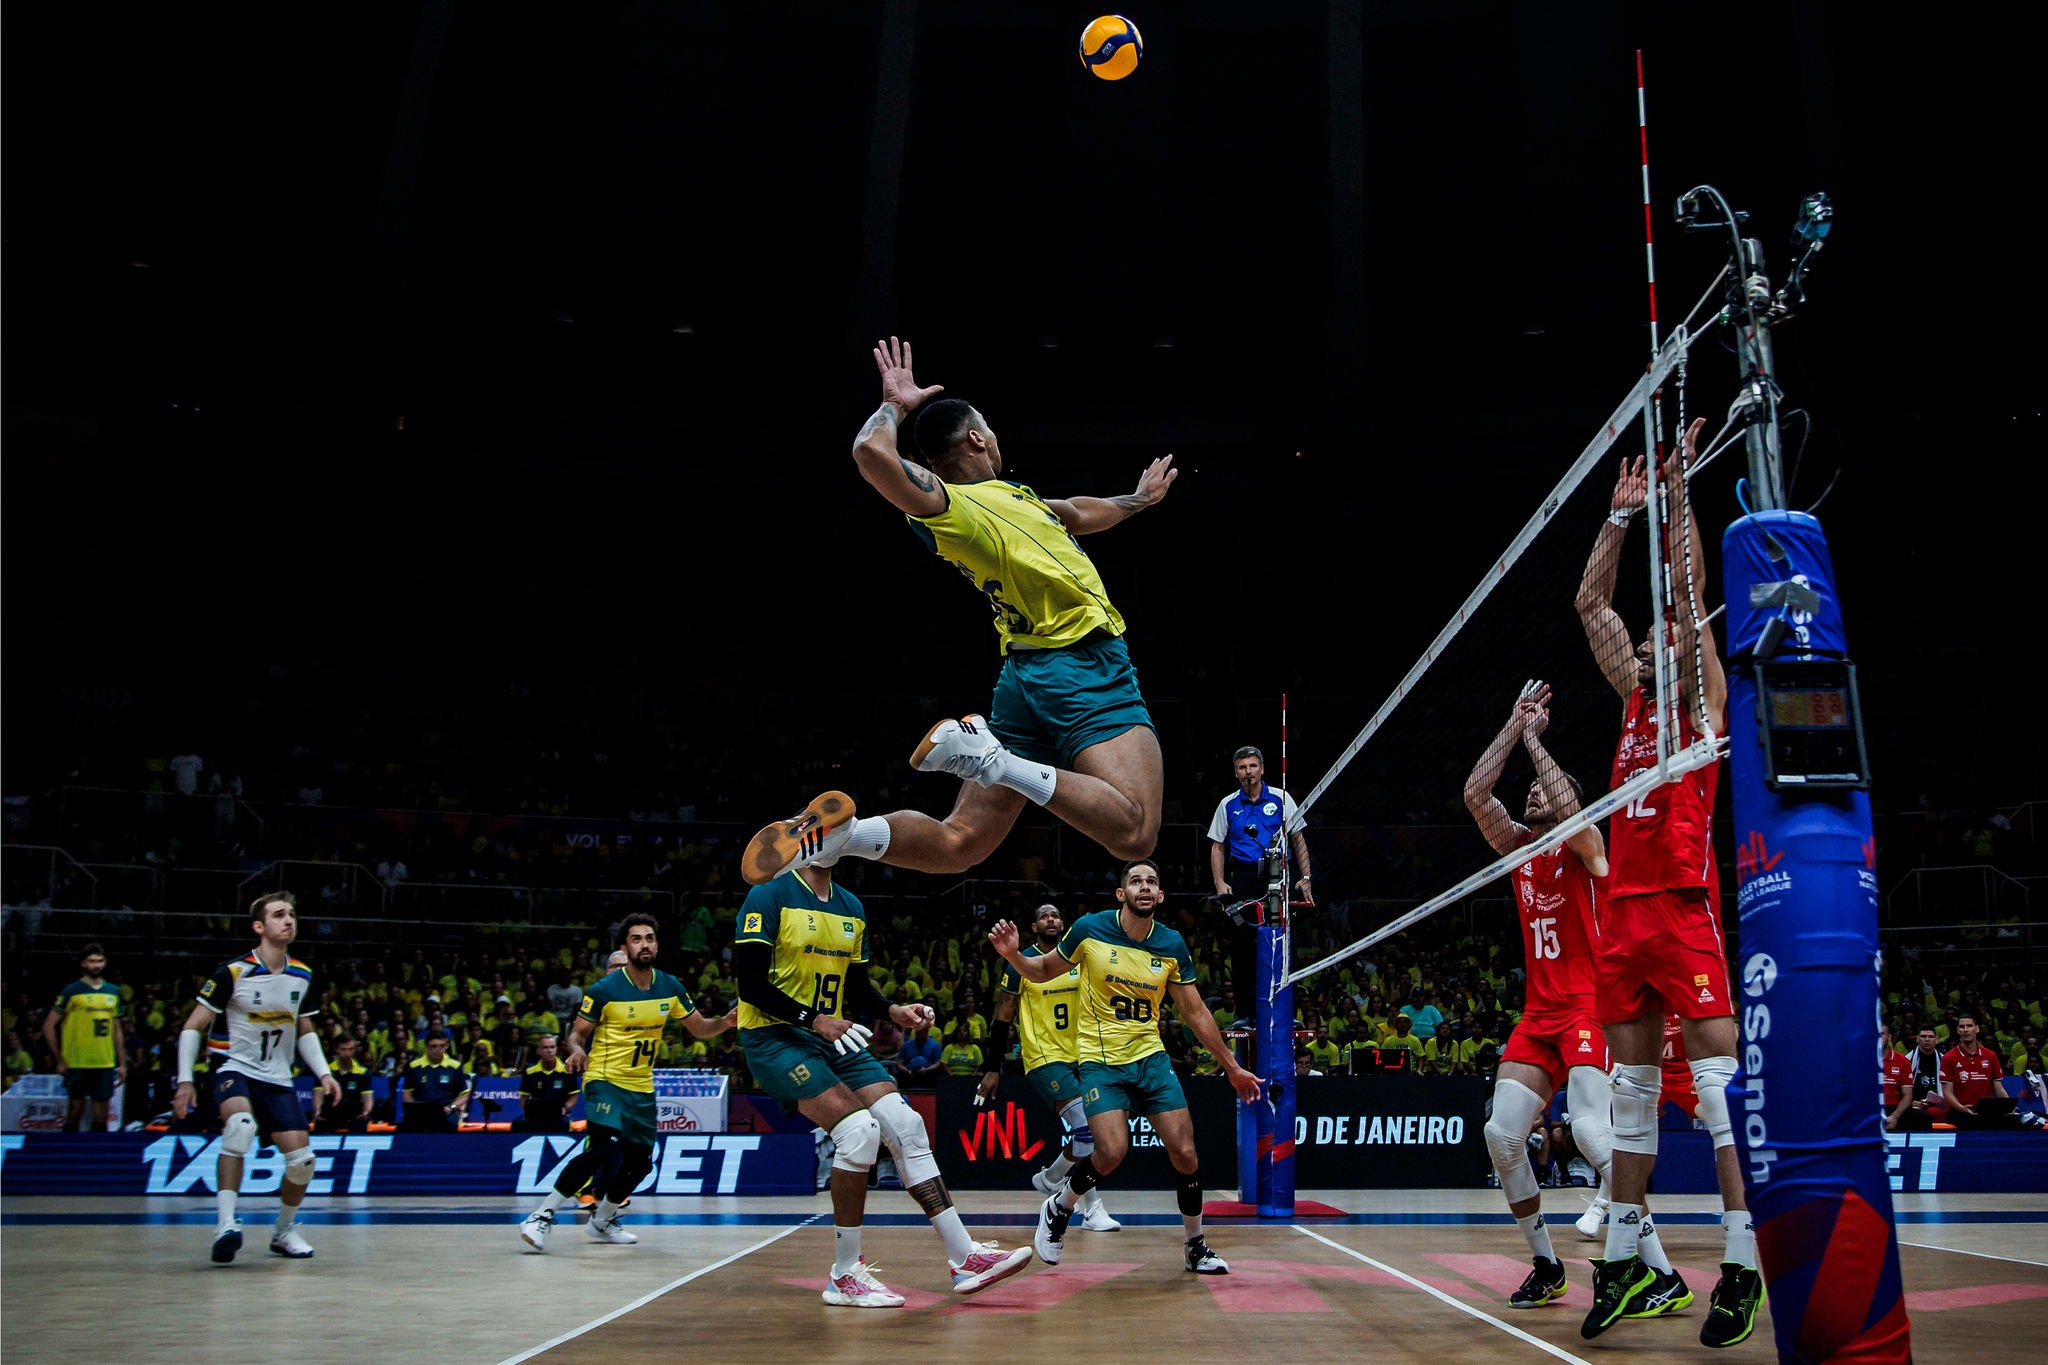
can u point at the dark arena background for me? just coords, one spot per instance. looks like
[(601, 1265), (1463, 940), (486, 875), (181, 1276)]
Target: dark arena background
[(426, 492)]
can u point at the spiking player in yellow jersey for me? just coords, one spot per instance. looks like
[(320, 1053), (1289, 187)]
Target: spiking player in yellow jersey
[(1067, 726), (617, 1031), (1129, 966), (1047, 1014)]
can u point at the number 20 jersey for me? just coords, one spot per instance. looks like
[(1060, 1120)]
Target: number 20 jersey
[(256, 1016), (1123, 986), (1556, 899)]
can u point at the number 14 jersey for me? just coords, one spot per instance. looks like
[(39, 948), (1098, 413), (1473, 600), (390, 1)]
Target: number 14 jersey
[(1556, 901), (256, 1016), (629, 1023)]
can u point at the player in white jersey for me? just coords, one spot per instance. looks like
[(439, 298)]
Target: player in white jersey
[(253, 1014)]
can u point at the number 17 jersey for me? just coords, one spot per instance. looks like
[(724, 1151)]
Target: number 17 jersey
[(256, 1016), (1556, 899), (630, 1021)]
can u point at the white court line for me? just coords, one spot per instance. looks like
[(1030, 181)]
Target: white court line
[(1538, 1342), (1930, 1246), (648, 1298)]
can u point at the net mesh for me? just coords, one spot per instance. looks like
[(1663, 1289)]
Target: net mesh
[(1509, 718)]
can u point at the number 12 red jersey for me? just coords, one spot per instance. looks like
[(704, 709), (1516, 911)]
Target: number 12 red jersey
[(1662, 840)]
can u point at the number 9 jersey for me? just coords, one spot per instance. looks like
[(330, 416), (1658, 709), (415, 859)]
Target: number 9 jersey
[(629, 1024), (814, 941), (256, 1016), (1123, 986)]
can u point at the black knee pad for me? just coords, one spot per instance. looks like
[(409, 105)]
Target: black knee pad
[(635, 1162), (1082, 1178), (1187, 1191)]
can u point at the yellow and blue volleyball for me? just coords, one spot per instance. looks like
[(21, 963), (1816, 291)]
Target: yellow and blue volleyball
[(1111, 47)]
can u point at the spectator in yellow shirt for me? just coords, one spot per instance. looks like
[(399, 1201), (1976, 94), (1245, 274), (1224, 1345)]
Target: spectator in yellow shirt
[(961, 1056)]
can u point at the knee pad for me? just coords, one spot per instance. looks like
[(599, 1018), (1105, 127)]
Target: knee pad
[(238, 1135), (1515, 1107), (858, 1139), (1637, 1090), (635, 1161), (298, 1166), (1187, 1190), (1590, 1096), (905, 1133), (1710, 1076), (1080, 1136)]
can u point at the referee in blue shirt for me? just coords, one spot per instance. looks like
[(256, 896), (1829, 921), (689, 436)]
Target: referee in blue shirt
[(1242, 830)]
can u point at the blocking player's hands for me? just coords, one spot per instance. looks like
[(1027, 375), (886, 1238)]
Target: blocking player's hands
[(183, 1099), (987, 1088), (1532, 709), (1631, 486), (1692, 449), (899, 385), (914, 1016), (331, 1087)]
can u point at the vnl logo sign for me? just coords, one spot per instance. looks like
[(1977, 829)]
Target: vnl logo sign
[(1759, 975)]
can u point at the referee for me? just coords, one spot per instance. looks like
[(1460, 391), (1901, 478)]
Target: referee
[(1242, 830)]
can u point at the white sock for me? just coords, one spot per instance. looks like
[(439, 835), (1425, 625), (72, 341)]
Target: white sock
[(1020, 774), (226, 1202), (286, 1216), (959, 1246), (870, 838), (1068, 1200), (1191, 1224), (1650, 1246), (1092, 1201), (1624, 1230), (1061, 1164), (845, 1251), (606, 1211), (554, 1201), (1537, 1233), (1741, 1234)]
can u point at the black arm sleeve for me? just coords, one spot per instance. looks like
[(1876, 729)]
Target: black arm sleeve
[(861, 995), (998, 1044), (750, 968)]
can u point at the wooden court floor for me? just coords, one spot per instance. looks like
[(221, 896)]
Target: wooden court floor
[(1421, 1276)]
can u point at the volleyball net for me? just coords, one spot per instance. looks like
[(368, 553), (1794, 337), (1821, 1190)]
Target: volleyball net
[(1511, 714)]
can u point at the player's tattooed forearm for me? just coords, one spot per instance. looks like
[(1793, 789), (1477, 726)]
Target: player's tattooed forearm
[(885, 416), (1132, 502), (917, 475)]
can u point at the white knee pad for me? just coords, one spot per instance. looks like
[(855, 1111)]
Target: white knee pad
[(1515, 1107), (1590, 1096), (238, 1135), (1079, 1135), (905, 1133), (1637, 1090), (858, 1140), (298, 1166), (1710, 1076)]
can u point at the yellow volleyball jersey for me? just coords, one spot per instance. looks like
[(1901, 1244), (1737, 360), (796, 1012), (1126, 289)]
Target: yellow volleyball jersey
[(1017, 553), (87, 1033), (1047, 1014), (1123, 986), (814, 942), (629, 1023)]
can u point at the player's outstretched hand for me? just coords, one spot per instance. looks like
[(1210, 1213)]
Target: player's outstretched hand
[(914, 1016), (1156, 480), (1245, 1084), (1003, 938), (1692, 448), (899, 385), (332, 1087), (1631, 485), (182, 1100), (852, 1039)]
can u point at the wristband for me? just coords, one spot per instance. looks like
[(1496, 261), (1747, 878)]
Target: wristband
[(1621, 516)]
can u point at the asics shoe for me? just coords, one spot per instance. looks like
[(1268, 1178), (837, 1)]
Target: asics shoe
[(1052, 1226), (964, 748), (814, 835), (1619, 1288), (534, 1231), (1546, 1284), (1196, 1256), (287, 1242), (1669, 1294), (226, 1242), (1731, 1312), (861, 1290), (1595, 1216), (608, 1230), (986, 1265)]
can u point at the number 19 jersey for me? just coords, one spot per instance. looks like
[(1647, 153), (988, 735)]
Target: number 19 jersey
[(256, 1016), (814, 942), (630, 1021), (1556, 901), (1123, 986)]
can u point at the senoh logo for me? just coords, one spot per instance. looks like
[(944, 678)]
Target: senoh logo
[(1759, 975)]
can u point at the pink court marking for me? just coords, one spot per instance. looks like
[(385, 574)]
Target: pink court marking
[(1974, 1296), (1262, 1291), (1037, 1290)]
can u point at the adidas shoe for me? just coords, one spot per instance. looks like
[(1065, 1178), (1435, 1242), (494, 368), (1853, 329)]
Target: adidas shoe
[(1731, 1312), (1619, 1288), (813, 835), (534, 1231), (226, 1242), (1052, 1226), (1196, 1256), (1669, 1294), (861, 1290), (1546, 1284), (1594, 1218), (608, 1230), (1094, 1217), (986, 1265), (964, 748), (287, 1242)]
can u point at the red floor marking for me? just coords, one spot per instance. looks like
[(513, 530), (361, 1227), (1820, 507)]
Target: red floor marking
[(913, 1299), (1975, 1296), (1263, 1291), (1037, 1289)]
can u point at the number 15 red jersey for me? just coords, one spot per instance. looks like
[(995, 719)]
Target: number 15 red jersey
[(1555, 901)]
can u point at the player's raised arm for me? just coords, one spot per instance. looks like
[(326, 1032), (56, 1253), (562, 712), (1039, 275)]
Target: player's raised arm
[(1699, 659), (1503, 832), (1605, 630), (1085, 516), (1558, 795), (1044, 967), (910, 488)]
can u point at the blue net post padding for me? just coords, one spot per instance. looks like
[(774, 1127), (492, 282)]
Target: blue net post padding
[(1265, 1129), (1806, 1105)]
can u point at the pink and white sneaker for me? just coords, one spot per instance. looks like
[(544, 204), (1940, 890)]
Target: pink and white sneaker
[(964, 747), (988, 1264), (861, 1290)]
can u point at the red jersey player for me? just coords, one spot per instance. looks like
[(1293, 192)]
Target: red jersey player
[(1558, 1045), (1661, 948)]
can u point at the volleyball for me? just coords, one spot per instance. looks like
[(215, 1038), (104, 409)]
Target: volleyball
[(1111, 47)]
